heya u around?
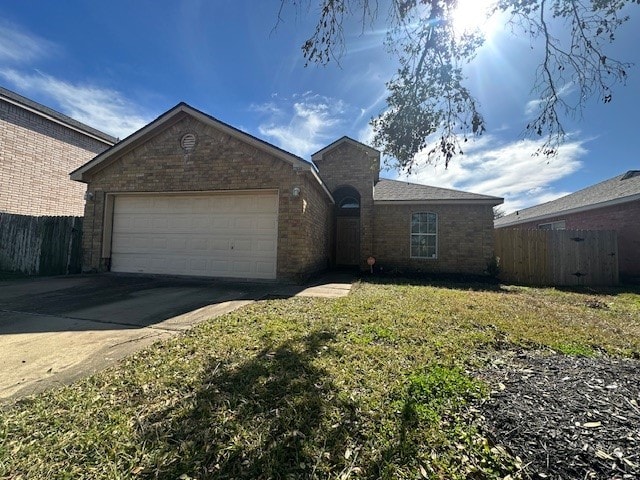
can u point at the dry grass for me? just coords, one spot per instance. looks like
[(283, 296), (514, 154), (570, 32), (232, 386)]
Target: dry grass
[(374, 385)]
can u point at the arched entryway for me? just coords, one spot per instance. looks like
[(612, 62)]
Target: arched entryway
[(347, 241)]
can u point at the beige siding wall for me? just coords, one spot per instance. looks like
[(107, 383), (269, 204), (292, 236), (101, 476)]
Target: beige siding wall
[(219, 162), (36, 157), (465, 238)]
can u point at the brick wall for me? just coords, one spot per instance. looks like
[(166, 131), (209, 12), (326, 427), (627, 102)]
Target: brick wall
[(219, 162), (36, 157), (349, 164), (623, 218), (464, 243)]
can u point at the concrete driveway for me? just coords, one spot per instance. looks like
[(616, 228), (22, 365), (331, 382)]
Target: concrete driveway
[(57, 329)]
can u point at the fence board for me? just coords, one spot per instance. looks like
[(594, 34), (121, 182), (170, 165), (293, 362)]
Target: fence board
[(557, 257), (40, 245)]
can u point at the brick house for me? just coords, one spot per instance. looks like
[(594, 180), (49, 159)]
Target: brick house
[(610, 205), (38, 148), (190, 195)]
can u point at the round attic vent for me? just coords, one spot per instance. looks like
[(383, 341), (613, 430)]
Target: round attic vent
[(188, 142)]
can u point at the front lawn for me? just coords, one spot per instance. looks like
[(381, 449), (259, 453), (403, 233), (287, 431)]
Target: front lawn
[(380, 384)]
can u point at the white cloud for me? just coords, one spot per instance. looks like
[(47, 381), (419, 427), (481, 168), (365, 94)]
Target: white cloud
[(18, 46), (304, 123), (533, 106), (105, 109), (507, 170)]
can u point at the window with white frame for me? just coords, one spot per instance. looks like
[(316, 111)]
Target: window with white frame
[(560, 225), (424, 235)]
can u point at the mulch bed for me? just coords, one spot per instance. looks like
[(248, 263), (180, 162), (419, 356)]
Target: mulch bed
[(565, 417)]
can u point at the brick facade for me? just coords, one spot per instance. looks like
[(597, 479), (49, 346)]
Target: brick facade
[(219, 162), (36, 156), (225, 159), (623, 218), (465, 231), (464, 238), (357, 166)]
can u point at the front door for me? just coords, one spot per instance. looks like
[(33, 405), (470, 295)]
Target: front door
[(348, 240)]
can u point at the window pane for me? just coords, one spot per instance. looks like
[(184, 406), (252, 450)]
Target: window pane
[(424, 229), (349, 202)]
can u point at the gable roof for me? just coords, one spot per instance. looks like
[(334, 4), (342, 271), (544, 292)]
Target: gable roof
[(56, 117), (396, 191), (620, 189), (319, 154), (172, 116)]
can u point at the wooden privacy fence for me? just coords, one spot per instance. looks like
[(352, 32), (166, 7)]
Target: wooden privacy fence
[(40, 245), (557, 257)]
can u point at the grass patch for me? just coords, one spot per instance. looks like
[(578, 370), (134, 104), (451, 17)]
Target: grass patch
[(374, 385)]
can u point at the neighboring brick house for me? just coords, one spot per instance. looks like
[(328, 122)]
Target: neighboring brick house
[(610, 205), (38, 148), (190, 195)]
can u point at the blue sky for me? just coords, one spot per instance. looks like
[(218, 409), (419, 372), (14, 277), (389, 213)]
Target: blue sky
[(118, 65)]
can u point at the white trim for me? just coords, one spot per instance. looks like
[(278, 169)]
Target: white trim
[(411, 234), (562, 213), (246, 191), (55, 120), (552, 225)]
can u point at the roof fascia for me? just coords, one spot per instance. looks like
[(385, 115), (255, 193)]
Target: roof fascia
[(320, 153), (571, 211), (55, 120), (164, 121), (322, 185), (481, 201)]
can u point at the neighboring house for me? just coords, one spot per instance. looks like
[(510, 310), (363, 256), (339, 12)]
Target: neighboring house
[(190, 195), (610, 205), (38, 148)]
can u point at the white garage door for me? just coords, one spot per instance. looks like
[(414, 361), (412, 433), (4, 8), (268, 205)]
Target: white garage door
[(217, 235)]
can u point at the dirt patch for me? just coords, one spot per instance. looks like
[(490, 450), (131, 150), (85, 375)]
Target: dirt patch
[(565, 417)]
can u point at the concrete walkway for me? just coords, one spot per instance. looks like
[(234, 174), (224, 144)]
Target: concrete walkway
[(58, 329)]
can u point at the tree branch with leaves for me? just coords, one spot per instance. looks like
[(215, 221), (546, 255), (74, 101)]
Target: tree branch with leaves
[(429, 107)]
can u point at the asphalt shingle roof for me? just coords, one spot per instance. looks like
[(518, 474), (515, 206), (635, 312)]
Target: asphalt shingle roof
[(8, 94), (626, 185), (396, 190)]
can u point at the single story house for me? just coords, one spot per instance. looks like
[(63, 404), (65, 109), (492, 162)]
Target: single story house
[(38, 148), (190, 195), (610, 205)]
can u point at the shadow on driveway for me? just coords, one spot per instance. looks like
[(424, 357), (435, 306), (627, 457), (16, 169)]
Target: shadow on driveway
[(57, 329), (107, 301)]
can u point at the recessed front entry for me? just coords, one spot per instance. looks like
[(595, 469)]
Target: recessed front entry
[(217, 234), (347, 241)]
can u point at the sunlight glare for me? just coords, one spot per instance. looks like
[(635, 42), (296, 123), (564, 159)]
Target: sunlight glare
[(472, 15)]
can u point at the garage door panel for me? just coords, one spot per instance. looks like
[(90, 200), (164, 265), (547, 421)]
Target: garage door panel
[(266, 224), (265, 245), (229, 235)]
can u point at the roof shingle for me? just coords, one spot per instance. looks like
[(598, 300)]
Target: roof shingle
[(396, 190), (619, 188)]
